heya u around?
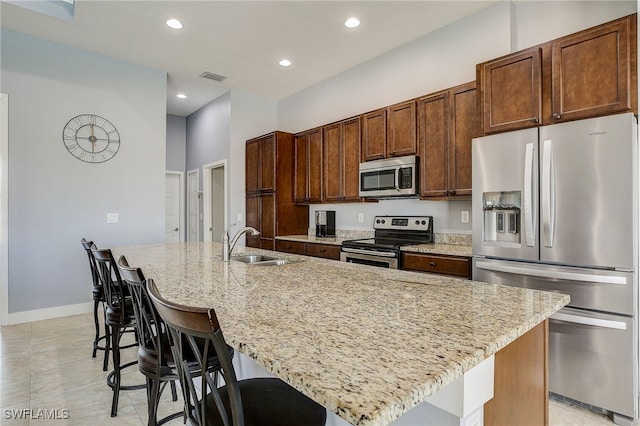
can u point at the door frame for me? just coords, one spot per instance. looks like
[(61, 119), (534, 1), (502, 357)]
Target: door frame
[(197, 189), (181, 200), (4, 209), (206, 198)]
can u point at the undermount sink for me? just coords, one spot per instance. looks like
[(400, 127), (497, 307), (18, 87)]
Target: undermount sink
[(259, 259)]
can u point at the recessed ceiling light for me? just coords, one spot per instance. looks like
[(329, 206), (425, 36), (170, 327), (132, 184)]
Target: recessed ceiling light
[(285, 63), (174, 23), (352, 22), (181, 96)]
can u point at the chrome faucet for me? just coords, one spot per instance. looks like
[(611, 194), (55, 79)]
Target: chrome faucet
[(227, 247)]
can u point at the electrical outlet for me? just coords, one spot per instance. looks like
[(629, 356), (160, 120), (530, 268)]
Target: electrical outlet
[(464, 216), (239, 217), (113, 218), (360, 217)]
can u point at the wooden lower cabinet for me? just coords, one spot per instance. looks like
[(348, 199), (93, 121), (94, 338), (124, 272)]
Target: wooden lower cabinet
[(327, 251), (521, 381), (457, 266)]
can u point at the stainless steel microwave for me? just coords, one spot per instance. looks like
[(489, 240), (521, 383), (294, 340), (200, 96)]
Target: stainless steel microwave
[(389, 178)]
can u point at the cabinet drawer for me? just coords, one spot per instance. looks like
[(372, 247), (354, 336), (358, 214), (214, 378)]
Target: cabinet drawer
[(294, 247), (324, 250), (446, 265)]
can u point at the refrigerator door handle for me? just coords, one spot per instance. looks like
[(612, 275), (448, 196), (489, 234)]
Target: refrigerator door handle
[(529, 208), (551, 273), (548, 194), (596, 322)]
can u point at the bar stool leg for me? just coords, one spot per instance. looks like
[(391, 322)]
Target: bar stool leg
[(97, 325), (115, 345)]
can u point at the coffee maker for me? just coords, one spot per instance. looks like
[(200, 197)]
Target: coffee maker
[(325, 223)]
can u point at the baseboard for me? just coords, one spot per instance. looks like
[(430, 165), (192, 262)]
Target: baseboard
[(49, 313)]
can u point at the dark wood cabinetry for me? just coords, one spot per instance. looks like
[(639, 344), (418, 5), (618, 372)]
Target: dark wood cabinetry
[(308, 167), (583, 75), (327, 251), (446, 125), (390, 132), (401, 129), (269, 202), (374, 135), (593, 72), (437, 264), (341, 160)]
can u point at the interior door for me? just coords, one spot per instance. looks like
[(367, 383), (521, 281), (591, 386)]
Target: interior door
[(172, 208), (586, 192), (194, 206)]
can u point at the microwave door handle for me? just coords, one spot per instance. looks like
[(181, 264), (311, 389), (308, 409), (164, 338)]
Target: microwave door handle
[(529, 190), (398, 179)]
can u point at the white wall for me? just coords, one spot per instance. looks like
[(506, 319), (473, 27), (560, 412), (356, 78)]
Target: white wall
[(437, 61), (57, 199), (176, 143)]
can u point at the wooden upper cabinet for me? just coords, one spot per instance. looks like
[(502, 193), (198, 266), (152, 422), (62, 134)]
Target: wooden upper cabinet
[(268, 164), (260, 164), (342, 160), (583, 75), (446, 125), (592, 72), (510, 91), (252, 166), (308, 166), (374, 134), (401, 132), (433, 136), (464, 127)]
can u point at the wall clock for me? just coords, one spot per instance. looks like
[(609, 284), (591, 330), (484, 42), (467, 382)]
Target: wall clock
[(91, 138)]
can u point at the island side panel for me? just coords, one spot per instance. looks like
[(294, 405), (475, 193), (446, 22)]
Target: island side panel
[(521, 381)]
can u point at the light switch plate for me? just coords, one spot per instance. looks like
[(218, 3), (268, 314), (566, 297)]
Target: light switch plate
[(239, 217), (113, 218), (360, 217)]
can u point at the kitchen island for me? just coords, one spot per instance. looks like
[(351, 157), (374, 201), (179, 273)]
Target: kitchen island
[(367, 343)]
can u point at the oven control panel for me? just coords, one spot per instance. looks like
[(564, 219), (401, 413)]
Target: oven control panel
[(406, 223)]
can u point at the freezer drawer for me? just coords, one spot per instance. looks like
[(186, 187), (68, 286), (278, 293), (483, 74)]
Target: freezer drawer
[(593, 289), (591, 359)]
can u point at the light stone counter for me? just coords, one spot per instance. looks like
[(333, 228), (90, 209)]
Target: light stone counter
[(367, 343), (445, 249)]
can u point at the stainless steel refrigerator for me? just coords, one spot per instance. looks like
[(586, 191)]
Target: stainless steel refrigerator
[(556, 208)]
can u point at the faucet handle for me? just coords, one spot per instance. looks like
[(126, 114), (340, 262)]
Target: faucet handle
[(225, 234)]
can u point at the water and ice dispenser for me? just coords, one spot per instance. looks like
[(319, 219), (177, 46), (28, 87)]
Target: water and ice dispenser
[(501, 216)]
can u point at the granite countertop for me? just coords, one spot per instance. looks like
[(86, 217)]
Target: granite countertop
[(440, 248), (367, 343), (313, 239)]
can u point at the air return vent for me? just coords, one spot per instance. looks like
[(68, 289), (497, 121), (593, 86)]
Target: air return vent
[(213, 76)]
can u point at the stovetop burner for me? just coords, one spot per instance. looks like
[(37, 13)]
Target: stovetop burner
[(393, 232)]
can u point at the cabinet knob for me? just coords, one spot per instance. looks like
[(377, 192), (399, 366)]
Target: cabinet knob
[(322, 250), (535, 119), (432, 263), (556, 115), (452, 192)]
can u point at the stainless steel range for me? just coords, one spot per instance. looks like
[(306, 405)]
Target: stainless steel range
[(391, 233)]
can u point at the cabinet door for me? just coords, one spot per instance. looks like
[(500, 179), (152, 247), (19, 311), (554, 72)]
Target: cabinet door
[(267, 221), (253, 219), (591, 72), (374, 134), (268, 164), (510, 90), (252, 166), (300, 189), (463, 129), (401, 136), (433, 133), (332, 162), (351, 157), (315, 166)]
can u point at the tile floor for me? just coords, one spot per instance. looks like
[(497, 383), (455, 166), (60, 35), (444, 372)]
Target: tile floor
[(47, 366)]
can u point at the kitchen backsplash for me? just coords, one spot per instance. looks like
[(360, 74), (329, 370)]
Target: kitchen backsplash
[(440, 238)]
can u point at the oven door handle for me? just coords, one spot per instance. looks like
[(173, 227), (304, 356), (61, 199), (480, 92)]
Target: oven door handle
[(369, 252)]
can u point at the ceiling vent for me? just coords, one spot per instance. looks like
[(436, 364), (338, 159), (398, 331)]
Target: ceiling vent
[(213, 76)]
